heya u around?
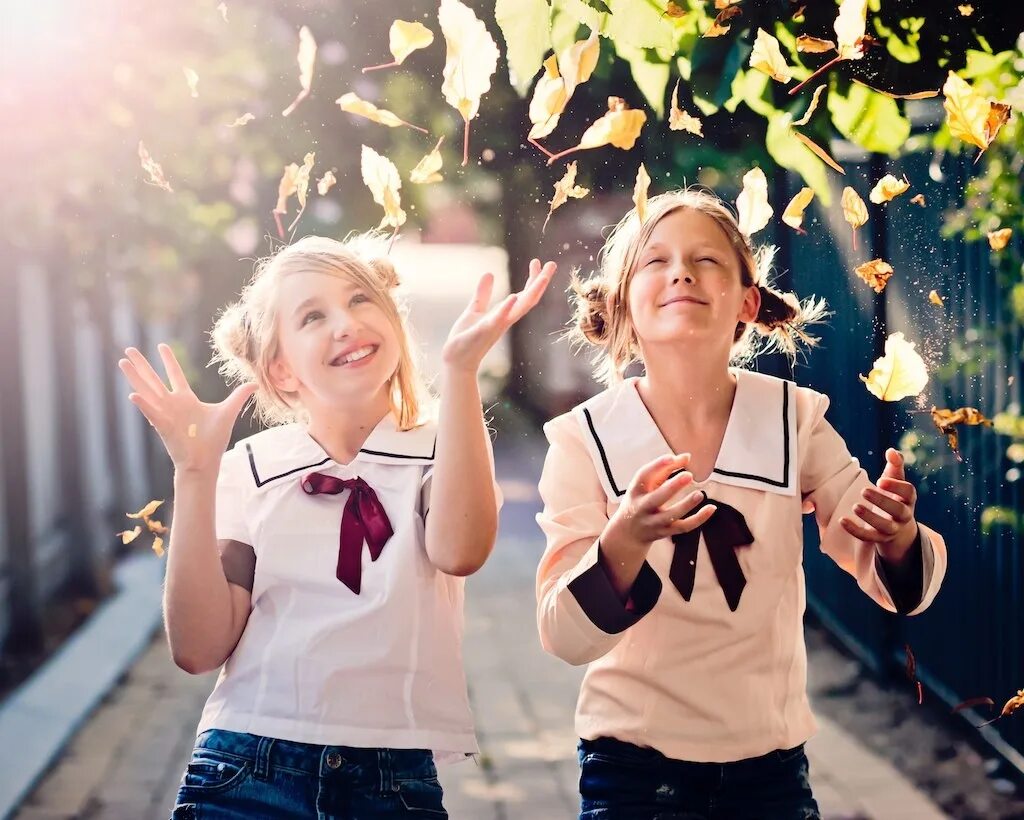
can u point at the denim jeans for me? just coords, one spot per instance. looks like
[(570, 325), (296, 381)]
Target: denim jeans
[(620, 781), (233, 775)]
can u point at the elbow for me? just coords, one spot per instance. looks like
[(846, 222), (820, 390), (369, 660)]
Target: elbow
[(193, 663), (461, 566)]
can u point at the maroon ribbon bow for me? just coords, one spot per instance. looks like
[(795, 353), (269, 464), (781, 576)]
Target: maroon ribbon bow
[(364, 519), (723, 533)]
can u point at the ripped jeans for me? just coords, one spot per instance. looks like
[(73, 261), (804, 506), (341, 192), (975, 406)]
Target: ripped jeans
[(620, 781)]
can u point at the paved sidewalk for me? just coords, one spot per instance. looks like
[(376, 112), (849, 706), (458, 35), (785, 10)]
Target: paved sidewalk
[(126, 761)]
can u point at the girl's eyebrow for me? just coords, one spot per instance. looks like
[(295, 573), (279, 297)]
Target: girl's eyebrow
[(311, 300)]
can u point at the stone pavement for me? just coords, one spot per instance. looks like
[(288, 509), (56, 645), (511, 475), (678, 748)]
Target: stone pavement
[(127, 760)]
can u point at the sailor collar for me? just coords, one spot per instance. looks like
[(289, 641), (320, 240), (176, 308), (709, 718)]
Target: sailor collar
[(758, 450)]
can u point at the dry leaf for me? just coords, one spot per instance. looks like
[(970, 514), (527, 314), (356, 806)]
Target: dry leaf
[(675, 11), (426, 170), (970, 116), (245, 119), (679, 120), (966, 9), (901, 372), (381, 177), (1013, 704), (752, 203), (193, 431), (472, 57), (767, 57), (146, 511), (158, 546), (724, 4), (192, 79), (910, 666), (223, 9), (918, 199), (325, 183), (887, 188), (997, 240), (854, 211), (935, 299), (813, 45), (849, 27), (715, 30), (971, 703), (620, 127), (810, 109), (354, 105), (405, 38), (876, 273), (294, 180), (152, 167), (916, 95), (718, 26), (794, 213), (155, 526), (820, 152), (565, 188), (643, 182), (306, 59), (562, 75), (946, 421), (127, 536)]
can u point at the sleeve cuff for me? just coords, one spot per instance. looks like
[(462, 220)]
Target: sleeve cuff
[(593, 591), (906, 588)]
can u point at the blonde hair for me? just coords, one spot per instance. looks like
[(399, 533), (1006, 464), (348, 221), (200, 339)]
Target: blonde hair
[(601, 312), (245, 337)]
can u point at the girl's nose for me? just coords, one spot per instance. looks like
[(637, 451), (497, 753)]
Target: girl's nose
[(343, 325)]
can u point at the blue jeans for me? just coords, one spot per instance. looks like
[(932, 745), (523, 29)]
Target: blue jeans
[(233, 775), (620, 781)]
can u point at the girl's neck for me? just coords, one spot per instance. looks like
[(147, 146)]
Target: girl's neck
[(342, 431), (694, 387)]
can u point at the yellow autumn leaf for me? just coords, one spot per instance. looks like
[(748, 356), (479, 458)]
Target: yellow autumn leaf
[(918, 199), (643, 182), (946, 420), (849, 28), (352, 104), (854, 211), (127, 536), (472, 57), (294, 180), (679, 120), (752, 203), (562, 75), (916, 95), (813, 45), (306, 59), (192, 79), (888, 188), (876, 273), (285, 188), (245, 119), (146, 511), (426, 170), (819, 152), (620, 127), (325, 183), (966, 9), (565, 189), (970, 116), (794, 213), (811, 108), (724, 4), (405, 38), (935, 299), (381, 177), (675, 11), (767, 57), (155, 526), (718, 26), (152, 167), (158, 547), (901, 372), (716, 30), (997, 240)]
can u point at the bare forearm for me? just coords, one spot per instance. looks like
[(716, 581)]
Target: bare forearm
[(463, 518), (621, 558), (197, 598)]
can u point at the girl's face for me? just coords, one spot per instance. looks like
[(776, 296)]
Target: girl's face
[(687, 284), (336, 347)]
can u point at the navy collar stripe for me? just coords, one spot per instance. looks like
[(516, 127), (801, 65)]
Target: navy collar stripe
[(604, 456), (260, 482)]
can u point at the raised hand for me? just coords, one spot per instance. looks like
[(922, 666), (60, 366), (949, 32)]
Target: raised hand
[(477, 328), (891, 524), (195, 433)]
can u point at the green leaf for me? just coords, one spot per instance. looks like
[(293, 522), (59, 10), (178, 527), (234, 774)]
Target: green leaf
[(650, 76), (715, 64), (640, 23), (752, 88), (904, 51), (790, 153), (525, 25), (598, 5), (869, 119)]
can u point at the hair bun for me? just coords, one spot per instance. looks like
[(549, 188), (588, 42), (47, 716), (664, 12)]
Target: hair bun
[(592, 310), (383, 267)]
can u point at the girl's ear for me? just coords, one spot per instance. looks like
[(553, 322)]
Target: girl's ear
[(281, 375), (751, 305)]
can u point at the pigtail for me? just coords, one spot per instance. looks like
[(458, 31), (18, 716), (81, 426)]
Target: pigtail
[(234, 345), (590, 311), (782, 320)]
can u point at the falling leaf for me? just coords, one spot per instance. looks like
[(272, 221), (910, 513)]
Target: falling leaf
[(854, 211), (752, 203), (910, 666), (152, 167), (294, 180), (146, 511), (810, 109), (971, 703), (935, 299), (193, 431), (130, 535), (245, 119), (223, 9), (946, 421), (718, 27), (916, 95), (724, 4), (1013, 704), (901, 372), (381, 177), (675, 11), (306, 59), (794, 213), (997, 240), (876, 273), (620, 127), (966, 9), (813, 45), (970, 116), (472, 58), (716, 30), (562, 75), (820, 152), (325, 183), (565, 188), (849, 27), (192, 79), (155, 526), (679, 120), (158, 547), (426, 170), (918, 199), (403, 39), (887, 188), (643, 182), (767, 57), (354, 105)]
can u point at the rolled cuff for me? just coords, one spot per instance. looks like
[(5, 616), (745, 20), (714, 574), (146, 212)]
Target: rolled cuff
[(599, 601)]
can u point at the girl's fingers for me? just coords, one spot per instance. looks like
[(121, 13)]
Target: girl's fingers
[(861, 532), (698, 519), (887, 526), (670, 487), (138, 384), (482, 298), (148, 409), (175, 375), (653, 473), (904, 489), (895, 506), (678, 511), (146, 371)]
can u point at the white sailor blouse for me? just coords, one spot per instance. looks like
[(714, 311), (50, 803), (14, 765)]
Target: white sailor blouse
[(706, 661), (354, 638)]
